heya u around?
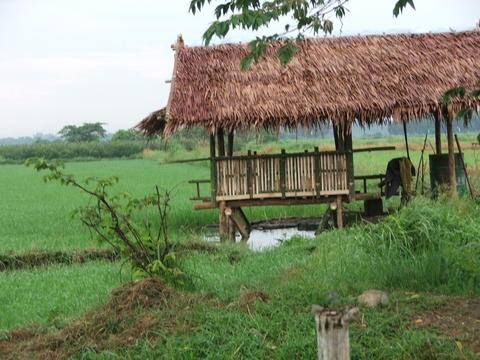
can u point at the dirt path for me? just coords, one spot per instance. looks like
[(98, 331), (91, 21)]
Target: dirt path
[(458, 319)]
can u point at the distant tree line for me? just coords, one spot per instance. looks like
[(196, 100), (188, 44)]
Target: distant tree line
[(87, 141)]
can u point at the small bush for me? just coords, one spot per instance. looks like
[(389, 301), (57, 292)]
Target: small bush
[(124, 222)]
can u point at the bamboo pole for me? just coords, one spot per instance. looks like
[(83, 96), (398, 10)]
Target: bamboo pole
[(438, 133), (213, 181), (406, 138), (452, 181), (470, 188), (420, 163)]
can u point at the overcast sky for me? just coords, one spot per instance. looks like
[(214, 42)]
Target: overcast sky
[(75, 61)]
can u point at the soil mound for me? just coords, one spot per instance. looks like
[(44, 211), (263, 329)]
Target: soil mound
[(130, 313)]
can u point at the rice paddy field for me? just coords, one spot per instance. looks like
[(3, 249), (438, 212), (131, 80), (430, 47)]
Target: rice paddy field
[(244, 304)]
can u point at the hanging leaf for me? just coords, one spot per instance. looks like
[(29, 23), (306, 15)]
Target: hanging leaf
[(401, 5), (286, 52), (246, 62), (458, 91)]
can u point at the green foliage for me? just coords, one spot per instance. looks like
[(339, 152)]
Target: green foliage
[(127, 135), (80, 150), (444, 235), (401, 5), (286, 52), (123, 221), (459, 92), (307, 16), (85, 132)]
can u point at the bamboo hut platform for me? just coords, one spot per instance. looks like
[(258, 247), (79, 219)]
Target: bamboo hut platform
[(341, 81)]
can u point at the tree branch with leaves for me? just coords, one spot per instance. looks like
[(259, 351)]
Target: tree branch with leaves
[(301, 16), (124, 222)]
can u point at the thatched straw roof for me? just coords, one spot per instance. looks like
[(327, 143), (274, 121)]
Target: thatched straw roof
[(367, 79), (153, 124)]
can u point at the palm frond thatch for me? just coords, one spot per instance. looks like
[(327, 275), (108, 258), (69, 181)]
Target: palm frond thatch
[(367, 79), (154, 124)]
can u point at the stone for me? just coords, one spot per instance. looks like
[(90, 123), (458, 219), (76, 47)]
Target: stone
[(372, 298)]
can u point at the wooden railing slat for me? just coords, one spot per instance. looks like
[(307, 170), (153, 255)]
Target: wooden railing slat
[(307, 174)]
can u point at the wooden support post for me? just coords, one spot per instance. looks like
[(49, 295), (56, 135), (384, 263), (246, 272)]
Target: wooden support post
[(250, 174), (222, 222), (421, 164), (339, 212), (470, 188), (452, 181), (283, 177), (317, 175), (348, 147), (230, 224), (438, 133), (240, 220), (406, 138), (348, 142), (230, 143), (339, 137), (332, 329), (213, 178), (221, 142)]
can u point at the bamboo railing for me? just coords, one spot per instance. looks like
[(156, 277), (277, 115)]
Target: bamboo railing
[(299, 175)]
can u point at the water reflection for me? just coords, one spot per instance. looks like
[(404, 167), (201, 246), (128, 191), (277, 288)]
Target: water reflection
[(264, 239)]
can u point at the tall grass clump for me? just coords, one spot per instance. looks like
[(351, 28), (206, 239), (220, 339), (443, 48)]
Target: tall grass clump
[(427, 245)]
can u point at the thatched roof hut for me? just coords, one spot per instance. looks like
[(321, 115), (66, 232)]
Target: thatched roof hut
[(363, 79)]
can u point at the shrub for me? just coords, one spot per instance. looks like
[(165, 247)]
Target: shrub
[(124, 222)]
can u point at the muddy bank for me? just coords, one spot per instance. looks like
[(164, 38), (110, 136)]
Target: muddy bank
[(45, 258)]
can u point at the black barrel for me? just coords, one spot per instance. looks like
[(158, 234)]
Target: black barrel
[(439, 173)]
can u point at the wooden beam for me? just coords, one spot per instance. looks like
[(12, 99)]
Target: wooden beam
[(205, 206), (281, 202), (185, 161), (374, 148), (438, 133)]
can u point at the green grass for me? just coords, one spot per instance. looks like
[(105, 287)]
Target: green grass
[(51, 295), (34, 215), (427, 249)]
